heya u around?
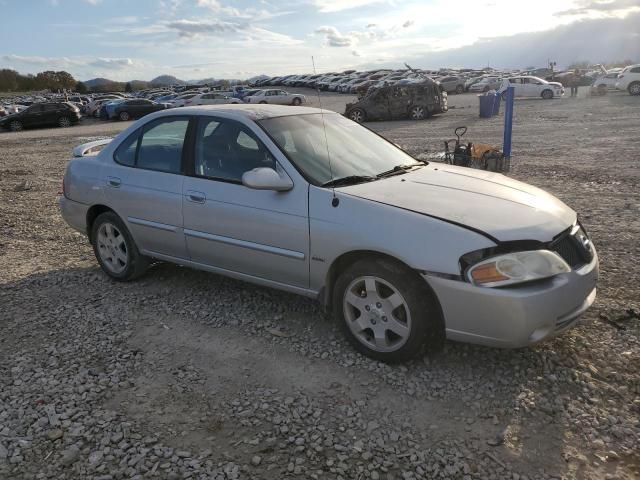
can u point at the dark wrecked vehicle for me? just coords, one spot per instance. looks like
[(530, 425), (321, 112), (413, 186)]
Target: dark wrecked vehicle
[(416, 100)]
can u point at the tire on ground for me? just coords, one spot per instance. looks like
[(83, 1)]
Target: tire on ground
[(137, 264), (426, 331)]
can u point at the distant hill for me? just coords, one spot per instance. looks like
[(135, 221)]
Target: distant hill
[(98, 82), (166, 80)]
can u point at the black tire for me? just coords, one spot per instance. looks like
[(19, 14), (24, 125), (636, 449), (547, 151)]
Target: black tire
[(124, 116), (634, 88), (357, 115), (64, 122), (262, 102), (15, 126), (426, 330), (486, 89), (459, 89), (136, 264), (547, 94), (297, 101)]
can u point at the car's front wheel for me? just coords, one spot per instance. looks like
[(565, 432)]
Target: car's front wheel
[(64, 122), (297, 101), (262, 102), (634, 88), (547, 94), (357, 115), (124, 116), (385, 312), (115, 249), (459, 89)]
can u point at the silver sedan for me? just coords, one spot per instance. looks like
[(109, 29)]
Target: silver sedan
[(403, 253)]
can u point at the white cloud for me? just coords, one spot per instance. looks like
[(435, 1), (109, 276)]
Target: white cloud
[(327, 6), (59, 63), (190, 28), (47, 62), (334, 38), (112, 63)]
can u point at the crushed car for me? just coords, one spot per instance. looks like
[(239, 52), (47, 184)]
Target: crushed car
[(417, 101)]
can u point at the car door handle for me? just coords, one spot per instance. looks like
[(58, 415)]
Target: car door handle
[(196, 197), (114, 182)]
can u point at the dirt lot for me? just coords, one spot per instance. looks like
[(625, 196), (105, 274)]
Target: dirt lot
[(184, 374)]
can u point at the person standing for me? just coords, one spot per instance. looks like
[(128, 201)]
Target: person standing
[(575, 82)]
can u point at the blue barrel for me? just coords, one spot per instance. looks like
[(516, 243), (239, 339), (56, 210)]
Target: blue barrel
[(496, 104), (489, 105), (486, 105)]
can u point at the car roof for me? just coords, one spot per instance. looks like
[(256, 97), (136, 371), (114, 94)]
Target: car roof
[(250, 111)]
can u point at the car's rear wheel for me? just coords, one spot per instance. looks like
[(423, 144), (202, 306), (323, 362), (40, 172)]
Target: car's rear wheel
[(64, 122), (486, 89), (262, 101), (297, 101), (459, 89), (124, 116), (385, 312), (15, 126), (634, 88), (96, 114), (418, 112), (115, 249), (547, 94), (357, 115)]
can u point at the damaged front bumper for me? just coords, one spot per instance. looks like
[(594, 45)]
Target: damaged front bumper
[(519, 316)]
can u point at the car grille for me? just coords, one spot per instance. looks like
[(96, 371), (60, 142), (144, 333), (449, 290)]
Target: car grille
[(574, 247)]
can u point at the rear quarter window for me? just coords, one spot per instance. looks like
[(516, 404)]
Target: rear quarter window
[(125, 154)]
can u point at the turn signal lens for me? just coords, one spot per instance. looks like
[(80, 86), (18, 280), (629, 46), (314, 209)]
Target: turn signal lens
[(517, 267), (487, 273)]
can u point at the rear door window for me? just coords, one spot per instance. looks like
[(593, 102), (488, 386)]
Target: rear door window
[(161, 145)]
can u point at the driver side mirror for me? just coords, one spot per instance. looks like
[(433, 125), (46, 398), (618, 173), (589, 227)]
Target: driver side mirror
[(265, 178)]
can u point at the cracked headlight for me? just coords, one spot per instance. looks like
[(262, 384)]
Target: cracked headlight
[(518, 267)]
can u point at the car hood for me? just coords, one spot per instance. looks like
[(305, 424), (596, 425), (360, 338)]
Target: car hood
[(494, 204)]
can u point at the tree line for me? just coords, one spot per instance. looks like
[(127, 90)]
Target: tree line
[(12, 81)]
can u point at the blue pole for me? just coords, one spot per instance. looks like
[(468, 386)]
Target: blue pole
[(508, 122)]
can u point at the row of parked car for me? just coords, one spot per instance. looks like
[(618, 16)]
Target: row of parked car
[(353, 82), (66, 110), (455, 81)]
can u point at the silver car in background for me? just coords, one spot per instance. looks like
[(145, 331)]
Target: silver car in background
[(403, 253)]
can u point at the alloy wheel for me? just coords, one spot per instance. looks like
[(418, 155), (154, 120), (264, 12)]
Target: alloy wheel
[(417, 113), (112, 248), (64, 122), (634, 89), (357, 116), (15, 126), (377, 314)]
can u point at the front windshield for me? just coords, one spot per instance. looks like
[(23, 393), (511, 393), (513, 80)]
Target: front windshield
[(353, 149)]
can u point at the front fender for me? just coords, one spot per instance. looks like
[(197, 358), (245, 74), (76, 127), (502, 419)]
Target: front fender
[(423, 243)]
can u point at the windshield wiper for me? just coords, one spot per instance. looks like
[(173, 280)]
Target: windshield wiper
[(398, 170), (348, 180)]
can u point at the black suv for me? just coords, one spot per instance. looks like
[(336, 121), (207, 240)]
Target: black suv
[(62, 114)]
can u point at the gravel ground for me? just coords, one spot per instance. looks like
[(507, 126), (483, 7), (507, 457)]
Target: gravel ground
[(184, 374)]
